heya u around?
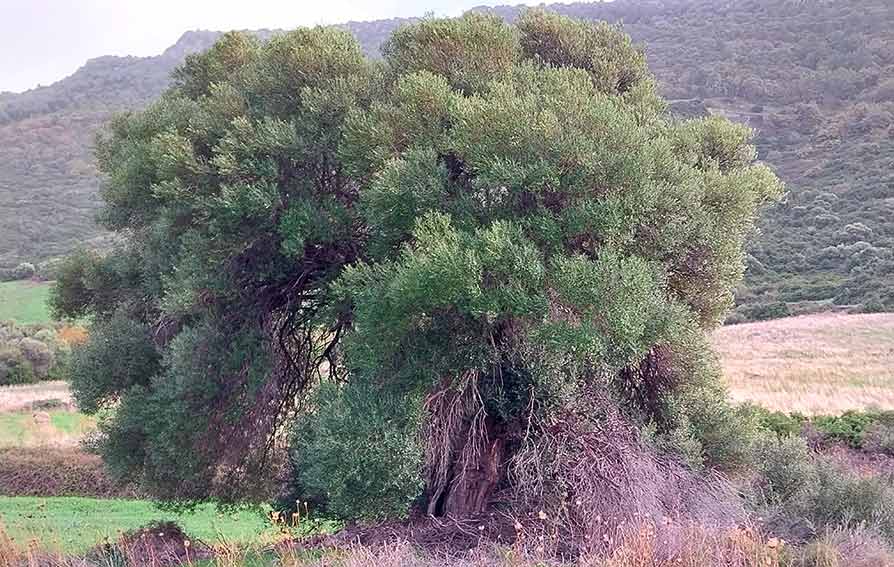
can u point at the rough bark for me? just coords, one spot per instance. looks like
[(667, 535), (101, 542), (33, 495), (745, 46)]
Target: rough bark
[(465, 458), (476, 473)]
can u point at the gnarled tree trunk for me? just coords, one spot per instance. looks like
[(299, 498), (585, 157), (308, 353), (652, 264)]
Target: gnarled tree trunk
[(466, 453)]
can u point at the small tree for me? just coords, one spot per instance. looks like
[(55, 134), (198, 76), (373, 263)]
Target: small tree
[(494, 234), (23, 271), (14, 366)]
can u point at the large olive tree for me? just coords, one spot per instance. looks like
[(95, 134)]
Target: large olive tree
[(412, 266)]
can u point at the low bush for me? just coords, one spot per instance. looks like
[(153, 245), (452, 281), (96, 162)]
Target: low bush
[(797, 488), (23, 271), (781, 423), (869, 430), (832, 497), (15, 369), (357, 456), (31, 353), (851, 427), (783, 466)]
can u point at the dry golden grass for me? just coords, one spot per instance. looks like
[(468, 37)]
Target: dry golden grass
[(697, 548), (824, 363)]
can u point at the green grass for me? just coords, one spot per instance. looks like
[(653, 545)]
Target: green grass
[(13, 429), (65, 428), (25, 301), (74, 525), (72, 423)]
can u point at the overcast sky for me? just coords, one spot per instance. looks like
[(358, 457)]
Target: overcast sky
[(42, 41)]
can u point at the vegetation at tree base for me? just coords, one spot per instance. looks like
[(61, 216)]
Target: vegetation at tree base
[(812, 78), (473, 272), (801, 495)]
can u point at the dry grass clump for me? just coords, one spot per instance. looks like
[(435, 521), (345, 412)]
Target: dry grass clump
[(825, 363), (72, 335), (641, 546), (693, 546), (840, 547)]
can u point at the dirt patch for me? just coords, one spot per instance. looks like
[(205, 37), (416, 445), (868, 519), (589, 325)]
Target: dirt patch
[(57, 472), (158, 545)]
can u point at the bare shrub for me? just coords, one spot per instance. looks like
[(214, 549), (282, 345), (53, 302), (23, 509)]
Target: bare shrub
[(156, 545), (587, 484)]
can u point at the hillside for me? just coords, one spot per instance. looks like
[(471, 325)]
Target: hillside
[(814, 79)]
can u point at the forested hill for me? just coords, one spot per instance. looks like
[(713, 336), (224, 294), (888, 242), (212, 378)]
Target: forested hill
[(816, 79)]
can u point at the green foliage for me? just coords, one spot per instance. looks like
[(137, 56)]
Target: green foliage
[(501, 214), (725, 434), (15, 368), (784, 464), (822, 104), (607, 55), (852, 426), (118, 356), (805, 488), (870, 430), (358, 456), (31, 353), (468, 52), (778, 422), (834, 497)]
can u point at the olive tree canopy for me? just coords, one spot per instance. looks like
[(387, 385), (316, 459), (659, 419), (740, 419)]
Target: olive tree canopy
[(411, 268)]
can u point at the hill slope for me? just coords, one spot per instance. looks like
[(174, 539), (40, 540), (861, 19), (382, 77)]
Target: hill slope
[(816, 79)]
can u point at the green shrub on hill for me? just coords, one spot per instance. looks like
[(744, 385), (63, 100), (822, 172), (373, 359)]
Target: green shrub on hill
[(870, 430)]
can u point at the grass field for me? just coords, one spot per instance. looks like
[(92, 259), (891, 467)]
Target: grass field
[(23, 422), (25, 301), (73, 525), (825, 363), (55, 428)]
